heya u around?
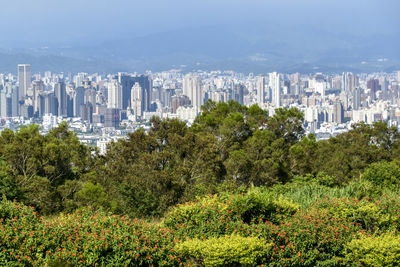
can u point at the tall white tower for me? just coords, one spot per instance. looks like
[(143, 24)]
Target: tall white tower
[(192, 89), (260, 85), (114, 95), (24, 80), (136, 100), (275, 85)]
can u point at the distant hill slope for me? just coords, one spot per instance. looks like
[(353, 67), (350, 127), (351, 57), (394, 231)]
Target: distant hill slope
[(245, 48)]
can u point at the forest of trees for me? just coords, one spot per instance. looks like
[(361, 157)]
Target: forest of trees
[(237, 187)]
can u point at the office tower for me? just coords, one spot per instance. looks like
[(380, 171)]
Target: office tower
[(260, 86), (37, 88), (90, 97), (146, 84), (383, 84), (356, 98), (70, 105), (373, 85), (5, 104), (352, 81), (398, 76), (275, 85), (114, 94), (157, 93), (61, 98), (87, 112), (78, 100), (87, 84), (337, 82), (27, 111), (24, 80), (111, 118), (179, 101), (167, 97), (13, 90), (238, 93), (338, 112), (286, 87), (136, 100), (296, 78), (128, 81), (47, 103), (192, 89), (344, 82), (79, 78)]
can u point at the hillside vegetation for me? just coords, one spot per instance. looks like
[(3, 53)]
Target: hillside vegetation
[(237, 188)]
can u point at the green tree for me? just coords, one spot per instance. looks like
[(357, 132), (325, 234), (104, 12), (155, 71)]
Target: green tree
[(383, 174)]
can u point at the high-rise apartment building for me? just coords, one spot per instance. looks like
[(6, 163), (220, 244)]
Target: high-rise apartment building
[(114, 94), (192, 89), (275, 85), (260, 86), (24, 80), (37, 88), (136, 100)]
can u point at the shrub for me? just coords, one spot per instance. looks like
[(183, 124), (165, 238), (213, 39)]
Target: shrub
[(261, 204), (374, 251), (308, 238), (208, 216), (383, 174), (83, 238), (381, 214), (233, 250)]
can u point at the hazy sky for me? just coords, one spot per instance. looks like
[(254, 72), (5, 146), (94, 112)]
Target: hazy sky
[(58, 21)]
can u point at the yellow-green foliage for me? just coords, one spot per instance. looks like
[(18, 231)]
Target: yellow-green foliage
[(374, 251), (259, 203), (369, 214), (195, 212), (225, 251), (285, 206)]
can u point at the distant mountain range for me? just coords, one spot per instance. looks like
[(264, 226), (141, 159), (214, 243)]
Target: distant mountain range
[(245, 48)]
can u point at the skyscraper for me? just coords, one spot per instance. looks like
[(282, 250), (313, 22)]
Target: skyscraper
[(128, 81), (114, 94), (111, 118), (338, 112), (136, 100), (192, 89), (78, 100), (5, 104), (24, 79), (275, 85), (238, 92), (398, 76), (344, 82), (260, 85), (61, 97), (373, 85), (12, 89), (37, 88), (356, 98)]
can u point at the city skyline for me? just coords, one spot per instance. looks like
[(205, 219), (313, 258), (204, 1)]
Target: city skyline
[(331, 103)]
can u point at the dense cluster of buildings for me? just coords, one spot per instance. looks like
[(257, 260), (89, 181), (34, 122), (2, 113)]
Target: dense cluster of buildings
[(106, 107)]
